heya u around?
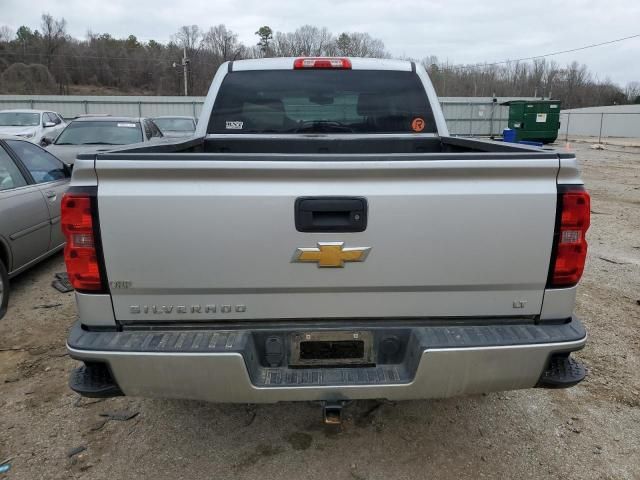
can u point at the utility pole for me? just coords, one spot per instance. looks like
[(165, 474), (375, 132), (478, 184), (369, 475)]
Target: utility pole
[(185, 66)]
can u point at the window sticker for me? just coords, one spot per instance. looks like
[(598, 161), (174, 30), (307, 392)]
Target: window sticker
[(234, 125), (417, 124), (127, 125)]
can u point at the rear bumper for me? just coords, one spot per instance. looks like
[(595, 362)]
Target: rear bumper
[(226, 366)]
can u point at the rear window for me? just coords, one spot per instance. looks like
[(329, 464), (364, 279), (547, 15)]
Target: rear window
[(19, 119), (100, 133), (322, 101), (175, 124)]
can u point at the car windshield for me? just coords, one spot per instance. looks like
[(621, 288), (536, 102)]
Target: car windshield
[(100, 133), (332, 101), (19, 119), (175, 124)]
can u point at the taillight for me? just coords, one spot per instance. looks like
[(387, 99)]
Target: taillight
[(322, 62), (80, 252), (569, 242)]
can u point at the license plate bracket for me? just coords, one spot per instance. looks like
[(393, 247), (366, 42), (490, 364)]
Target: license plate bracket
[(331, 349)]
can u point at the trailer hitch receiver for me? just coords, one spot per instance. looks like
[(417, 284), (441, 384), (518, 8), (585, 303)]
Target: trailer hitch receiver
[(332, 412)]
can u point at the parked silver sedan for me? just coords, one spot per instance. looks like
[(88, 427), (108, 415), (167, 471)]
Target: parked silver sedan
[(176, 126), (94, 134), (32, 182)]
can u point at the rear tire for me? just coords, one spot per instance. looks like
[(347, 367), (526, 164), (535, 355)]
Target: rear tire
[(4, 289)]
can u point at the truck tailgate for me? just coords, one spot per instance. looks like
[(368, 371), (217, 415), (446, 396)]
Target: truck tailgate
[(213, 238)]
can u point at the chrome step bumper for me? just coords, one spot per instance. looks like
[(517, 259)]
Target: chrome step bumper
[(226, 366)]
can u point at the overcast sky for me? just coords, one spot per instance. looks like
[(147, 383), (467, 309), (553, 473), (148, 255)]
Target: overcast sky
[(462, 31)]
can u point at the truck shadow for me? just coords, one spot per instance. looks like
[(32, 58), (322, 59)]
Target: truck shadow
[(377, 439), (268, 430), (252, 436)]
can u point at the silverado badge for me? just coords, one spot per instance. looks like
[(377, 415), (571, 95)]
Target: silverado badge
[(331, 254)]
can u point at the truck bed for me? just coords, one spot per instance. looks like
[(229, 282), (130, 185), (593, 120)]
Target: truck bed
[(334, 144)]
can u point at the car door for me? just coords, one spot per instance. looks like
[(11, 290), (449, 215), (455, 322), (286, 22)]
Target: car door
[(25, 222), (41, 131), (55, 118), (51, 177), (63, 123), (148, 132), (51, 132), (156, 134)]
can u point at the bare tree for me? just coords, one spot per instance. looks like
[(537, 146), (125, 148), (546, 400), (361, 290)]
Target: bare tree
[(281, 45), (358, 44), (632, 92), (6, 34), (305, 41), (53, 35), (189, 37), (537, 75), (223, 43), (575, 77), (311, 41)]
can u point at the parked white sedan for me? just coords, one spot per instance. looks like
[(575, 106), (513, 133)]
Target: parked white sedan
[(31, 125)]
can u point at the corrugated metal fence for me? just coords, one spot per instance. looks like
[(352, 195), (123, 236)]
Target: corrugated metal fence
[(70, 106), (621, 121), (477, 116)]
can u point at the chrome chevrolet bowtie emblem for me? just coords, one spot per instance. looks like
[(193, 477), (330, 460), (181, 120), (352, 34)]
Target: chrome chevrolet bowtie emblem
[(331, 254)]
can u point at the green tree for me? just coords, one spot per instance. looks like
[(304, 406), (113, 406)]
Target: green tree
[(24, 34), (132, 42), (266, 35), (343, 44)]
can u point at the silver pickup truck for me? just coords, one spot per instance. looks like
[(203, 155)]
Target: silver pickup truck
[(324, 238)]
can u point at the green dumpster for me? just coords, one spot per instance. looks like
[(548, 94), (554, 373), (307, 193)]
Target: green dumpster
[(535, 120)]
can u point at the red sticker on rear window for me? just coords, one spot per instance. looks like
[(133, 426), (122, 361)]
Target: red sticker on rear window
[(417, 124)]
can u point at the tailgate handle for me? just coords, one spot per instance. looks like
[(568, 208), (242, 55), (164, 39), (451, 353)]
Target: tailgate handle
[(331, 214)]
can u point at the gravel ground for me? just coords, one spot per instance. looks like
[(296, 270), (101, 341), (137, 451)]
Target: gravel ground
[(590, 431)]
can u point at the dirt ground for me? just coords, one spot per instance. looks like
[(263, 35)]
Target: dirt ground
[(589, 432)]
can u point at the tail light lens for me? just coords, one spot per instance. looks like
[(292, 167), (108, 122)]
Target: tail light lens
[(322, 62), (570, 243), (80, 253)]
